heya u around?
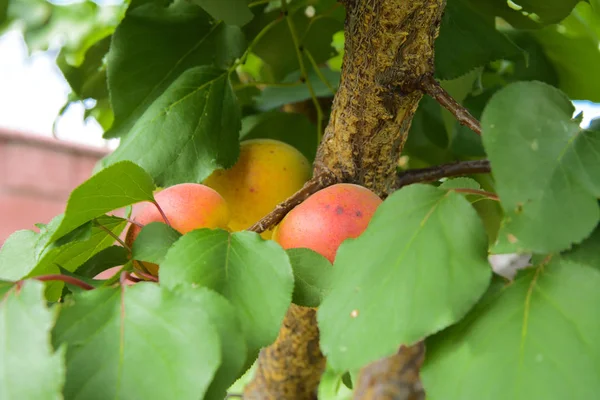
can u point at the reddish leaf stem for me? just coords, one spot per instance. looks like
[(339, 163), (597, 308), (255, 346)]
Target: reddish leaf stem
[(489, 195), (432, 87), (112, 234), (64, 278), (160, 210)]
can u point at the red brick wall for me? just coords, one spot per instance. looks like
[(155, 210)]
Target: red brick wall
[(36, 176)]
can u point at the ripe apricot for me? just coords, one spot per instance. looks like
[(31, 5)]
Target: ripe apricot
[(188, 206), (327, 218), (267, 172)]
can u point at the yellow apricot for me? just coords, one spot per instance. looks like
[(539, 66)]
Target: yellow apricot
[(267, 172)]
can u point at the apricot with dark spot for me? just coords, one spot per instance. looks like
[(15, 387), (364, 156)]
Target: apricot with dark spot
[(327, 218)]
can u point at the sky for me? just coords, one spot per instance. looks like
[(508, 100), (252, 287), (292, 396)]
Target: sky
[(33, 90)]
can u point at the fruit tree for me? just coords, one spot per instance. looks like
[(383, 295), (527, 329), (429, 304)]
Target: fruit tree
[(304, 202)]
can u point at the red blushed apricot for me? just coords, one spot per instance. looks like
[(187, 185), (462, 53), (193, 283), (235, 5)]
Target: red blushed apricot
[(109, 273), (188, 206), (327, 218)]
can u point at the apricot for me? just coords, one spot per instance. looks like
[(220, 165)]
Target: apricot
[(109, 273), (267, 172), (188, 206), (327, 218)]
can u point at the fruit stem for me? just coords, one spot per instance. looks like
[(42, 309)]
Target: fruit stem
[(164, 216), (112, 234)]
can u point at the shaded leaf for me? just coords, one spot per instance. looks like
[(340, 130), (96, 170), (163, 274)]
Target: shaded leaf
[(312, 277), (291, 128), (30, 369), (418, 233), (467, 40), (136, 342), (235, 12), (109, 257), (533, 338), (528, 14), (253, 274), (191, 130)]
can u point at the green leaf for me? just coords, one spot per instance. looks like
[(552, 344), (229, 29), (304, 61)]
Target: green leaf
[(573, 49), (191, 130), (109, 257), (181, 35), (422, 260), (467, 40), (224, 318), (153, 242), (73, 254), (136, 342), (30, 369), (428, 137), (114, 187), (312, 276), (586, 253), (528, 14), (17, 255), (234, 12), (276, 46), (292, 128), (535, 337), (274, 97), (460, 183), (253, 274), (544, 166)]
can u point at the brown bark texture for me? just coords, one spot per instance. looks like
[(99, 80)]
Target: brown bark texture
[(389, 49)]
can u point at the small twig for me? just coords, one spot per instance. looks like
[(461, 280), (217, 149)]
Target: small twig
[(432, 87), (319, 72), (432, 174), (64, 278), (160, 210), (489, 195), (267, 84), (112, 234), (148, 276), (134, 222), (303, 72), (323, 180), (234, 396)]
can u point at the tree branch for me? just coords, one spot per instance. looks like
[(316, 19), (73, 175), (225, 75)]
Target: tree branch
[(323, 180), (432, 174), (432, 87), (393, 378)]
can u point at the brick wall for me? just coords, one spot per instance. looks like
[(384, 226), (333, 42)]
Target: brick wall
[(36, 176)]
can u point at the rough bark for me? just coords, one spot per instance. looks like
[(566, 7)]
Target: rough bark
[(292, 366), (389, 47)]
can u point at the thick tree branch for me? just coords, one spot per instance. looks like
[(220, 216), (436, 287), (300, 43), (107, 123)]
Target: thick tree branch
[(432, 174), (290, 368), (320, 181), (432, 87), (393, 378)]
